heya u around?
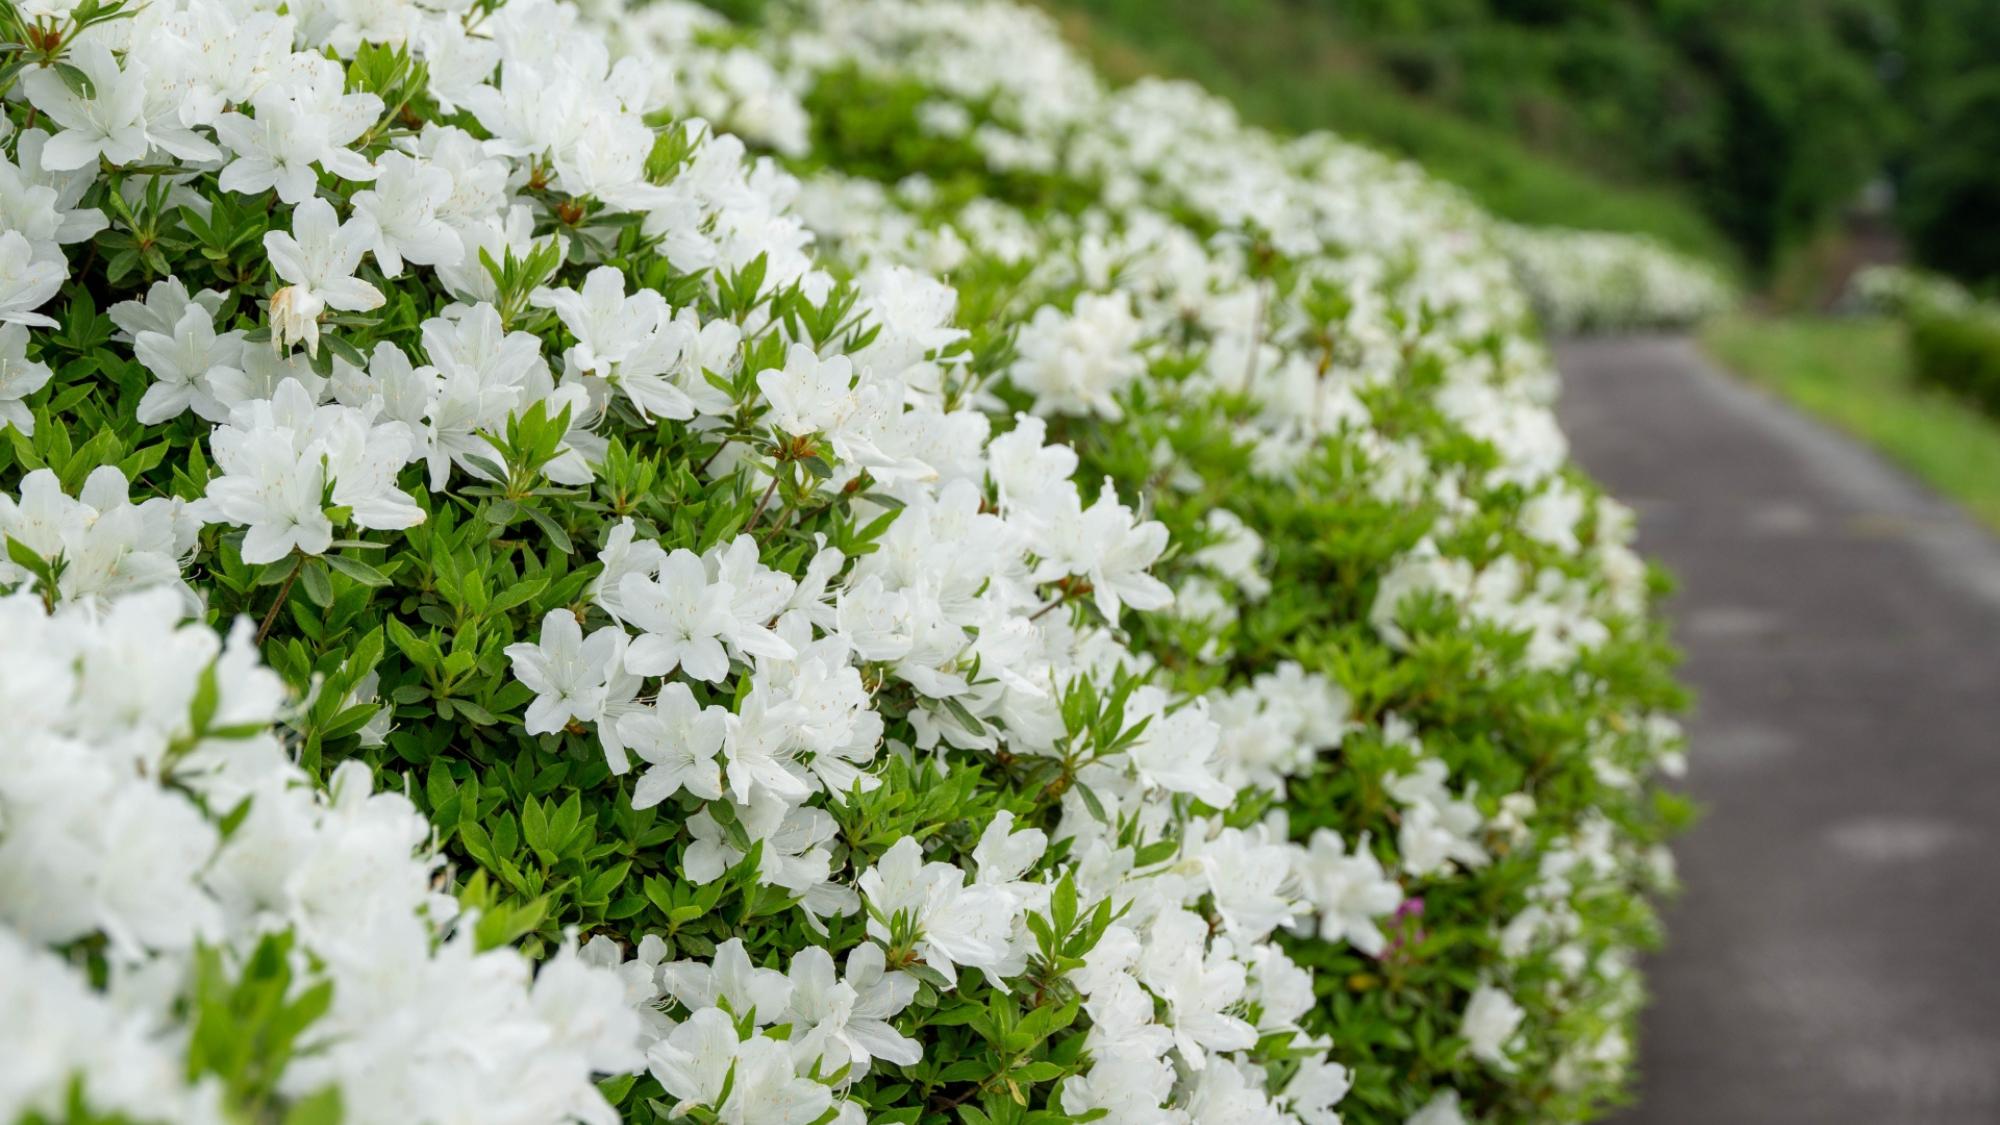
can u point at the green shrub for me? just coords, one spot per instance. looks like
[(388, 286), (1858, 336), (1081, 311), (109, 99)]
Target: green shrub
[(1315, 366), (1958, 350)]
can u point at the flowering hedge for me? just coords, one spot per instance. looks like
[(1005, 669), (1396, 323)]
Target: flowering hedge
[(1600, 281), (827, 571)]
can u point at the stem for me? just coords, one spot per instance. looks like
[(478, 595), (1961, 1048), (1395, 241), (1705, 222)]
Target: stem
[(271, 617), (762, 503), (1256, 339), (1068, 588), (703, 467)]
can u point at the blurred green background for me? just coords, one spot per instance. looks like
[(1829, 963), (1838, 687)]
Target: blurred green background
[(1787, 139)]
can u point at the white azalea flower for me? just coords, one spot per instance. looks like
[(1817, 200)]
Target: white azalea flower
[(19, 378), (317, 260)]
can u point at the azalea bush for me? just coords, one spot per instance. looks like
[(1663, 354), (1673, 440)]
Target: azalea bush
[(825, 570), (1316, 367), (1600, 281)]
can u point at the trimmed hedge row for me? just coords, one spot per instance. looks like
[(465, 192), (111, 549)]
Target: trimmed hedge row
[(831, 571), (1600, 281), (1314, 365)]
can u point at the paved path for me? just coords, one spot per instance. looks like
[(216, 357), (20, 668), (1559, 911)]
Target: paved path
[(1835, 959)]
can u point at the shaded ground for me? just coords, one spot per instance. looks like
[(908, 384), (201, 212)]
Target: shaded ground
[(1832, 960)]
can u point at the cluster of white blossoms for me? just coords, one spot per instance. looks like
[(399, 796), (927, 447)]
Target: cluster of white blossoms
[(1600, 281), (308, 440), (1166, 270), (576, 456), (149, 813)]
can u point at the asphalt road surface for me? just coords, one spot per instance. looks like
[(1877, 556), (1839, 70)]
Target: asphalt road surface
[(1835, 956)]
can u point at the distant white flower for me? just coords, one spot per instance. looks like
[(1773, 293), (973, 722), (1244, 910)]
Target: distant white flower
[(1348, 889), (1491, 1018), (1177, 749), (1442, 1109), (1076, 363)]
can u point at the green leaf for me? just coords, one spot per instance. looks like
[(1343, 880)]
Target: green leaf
[(322, 1108), (318, 587), (356, 569)]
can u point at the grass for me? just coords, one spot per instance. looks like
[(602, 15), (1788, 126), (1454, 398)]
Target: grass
[(1855, 374), (1289, 68)]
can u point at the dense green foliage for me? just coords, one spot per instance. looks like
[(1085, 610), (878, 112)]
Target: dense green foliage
[(669, 516), (1357, 572), (1958, 350)]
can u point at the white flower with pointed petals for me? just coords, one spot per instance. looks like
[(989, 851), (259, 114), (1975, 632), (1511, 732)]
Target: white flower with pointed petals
[(111, 123), (27, 282), (756, 594), (318, 260), (607, 324), (683, 616), (769, 1091), (567, 672), (306, 120), (41, 202), (679, 740), (809, 395), (693, 1062), (1200, 984), (1105, 543), (183, 361), (400, 211), (624, 553), (956, 924), (730, 978), (108, 544), (270, 487), (284, 458), (844, 1024), (19, 378), (1316, 1088)]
